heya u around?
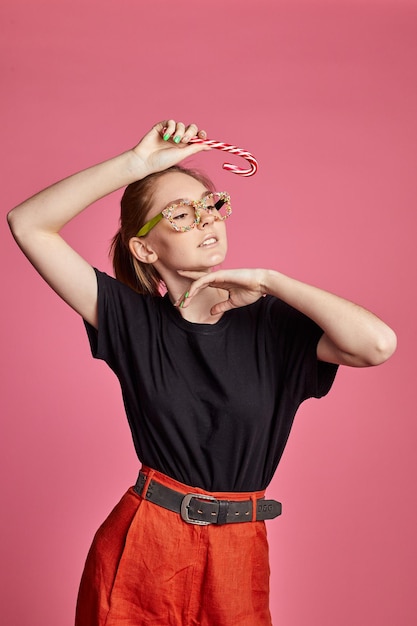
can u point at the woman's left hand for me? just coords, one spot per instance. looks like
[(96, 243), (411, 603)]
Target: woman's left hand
[(243, 285)]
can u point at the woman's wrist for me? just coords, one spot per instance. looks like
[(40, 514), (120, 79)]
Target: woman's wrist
[(136, 166), (268, 281)]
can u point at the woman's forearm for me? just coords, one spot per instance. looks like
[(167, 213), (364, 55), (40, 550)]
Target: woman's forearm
[(49, 210), (353, 335)]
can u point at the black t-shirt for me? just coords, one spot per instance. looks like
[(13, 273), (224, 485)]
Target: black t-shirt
[(210, 405)]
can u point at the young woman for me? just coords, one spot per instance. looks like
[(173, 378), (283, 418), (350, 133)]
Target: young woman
[(211, 373)]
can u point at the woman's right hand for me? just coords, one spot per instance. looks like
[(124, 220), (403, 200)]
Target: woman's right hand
[(166, 144)]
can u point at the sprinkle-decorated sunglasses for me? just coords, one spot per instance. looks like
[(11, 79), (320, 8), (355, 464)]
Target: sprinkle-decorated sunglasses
[(186, 214)]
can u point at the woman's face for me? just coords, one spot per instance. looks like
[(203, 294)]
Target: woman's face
[(200, 248)]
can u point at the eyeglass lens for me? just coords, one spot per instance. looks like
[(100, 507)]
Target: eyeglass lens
[(183, 214)]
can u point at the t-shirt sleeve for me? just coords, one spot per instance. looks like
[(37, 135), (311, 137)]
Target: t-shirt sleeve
[(296, 337), (115, 305)]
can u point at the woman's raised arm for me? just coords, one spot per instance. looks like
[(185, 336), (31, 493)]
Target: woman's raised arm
[(36, 223)]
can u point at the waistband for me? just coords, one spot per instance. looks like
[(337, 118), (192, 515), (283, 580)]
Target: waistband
[(197, 506)]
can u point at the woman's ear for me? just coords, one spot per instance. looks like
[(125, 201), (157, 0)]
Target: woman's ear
[(142, 250)]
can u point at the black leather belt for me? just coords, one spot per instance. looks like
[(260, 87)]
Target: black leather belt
[(203, 509)]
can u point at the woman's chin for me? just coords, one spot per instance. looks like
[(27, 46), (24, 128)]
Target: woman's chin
[(215, 260)]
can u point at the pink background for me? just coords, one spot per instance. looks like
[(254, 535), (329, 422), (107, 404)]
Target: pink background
[(325, 96)]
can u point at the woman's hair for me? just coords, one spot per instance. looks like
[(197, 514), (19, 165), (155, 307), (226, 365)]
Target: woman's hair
[(135, 205)]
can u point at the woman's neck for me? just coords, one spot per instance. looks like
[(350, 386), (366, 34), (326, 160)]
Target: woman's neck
[(199, 308)]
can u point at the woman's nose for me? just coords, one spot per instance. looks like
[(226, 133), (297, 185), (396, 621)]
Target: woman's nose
[(206, 217)]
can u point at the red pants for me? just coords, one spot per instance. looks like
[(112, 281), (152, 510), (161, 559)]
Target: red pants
[(147, 567)]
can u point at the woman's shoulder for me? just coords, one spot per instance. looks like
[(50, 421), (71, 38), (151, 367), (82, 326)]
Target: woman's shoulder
[(108, 282), (116, 294)]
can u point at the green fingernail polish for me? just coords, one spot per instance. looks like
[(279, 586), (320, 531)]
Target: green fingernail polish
[(166, 137), (182, 304), (177, 139), (187, 293)]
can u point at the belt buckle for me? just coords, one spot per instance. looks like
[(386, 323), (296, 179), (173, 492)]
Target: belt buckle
[(184, 508)]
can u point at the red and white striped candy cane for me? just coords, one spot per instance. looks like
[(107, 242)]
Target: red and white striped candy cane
[(219, 145)]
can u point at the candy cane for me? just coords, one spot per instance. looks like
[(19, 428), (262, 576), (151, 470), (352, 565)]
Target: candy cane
[(219, 145)]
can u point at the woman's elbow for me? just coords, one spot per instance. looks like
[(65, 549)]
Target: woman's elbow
[(383, 348), (14, 221), (19, 226), (10, 220)]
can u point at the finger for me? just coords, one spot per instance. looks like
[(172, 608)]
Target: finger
[(159, 129), (159, 126), (196, 288), (187, 150), (192, 131), (200, 280), (193, 275), (179, 132), (168, 129), (181, 302), (221, 307), (184, 299)]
